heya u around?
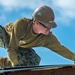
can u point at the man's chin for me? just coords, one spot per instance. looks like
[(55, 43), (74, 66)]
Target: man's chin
[(45, 33)]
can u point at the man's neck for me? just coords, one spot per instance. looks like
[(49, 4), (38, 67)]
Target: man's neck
[(34, 29)]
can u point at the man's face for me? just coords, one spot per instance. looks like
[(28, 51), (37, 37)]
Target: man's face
[(41, 29)]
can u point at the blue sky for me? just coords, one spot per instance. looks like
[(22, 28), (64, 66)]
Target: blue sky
[(11, 10)]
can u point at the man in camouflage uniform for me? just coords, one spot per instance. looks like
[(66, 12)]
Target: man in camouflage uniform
[(27, 33), (26, 56)]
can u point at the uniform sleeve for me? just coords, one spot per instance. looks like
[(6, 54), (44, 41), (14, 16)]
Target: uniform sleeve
[(15, 37), (54, 45)]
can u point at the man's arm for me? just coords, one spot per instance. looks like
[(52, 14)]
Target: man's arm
[(15, 37), (13, 45), (55, 46)]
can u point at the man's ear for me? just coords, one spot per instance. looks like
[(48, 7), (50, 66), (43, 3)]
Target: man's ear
[(36, 23)]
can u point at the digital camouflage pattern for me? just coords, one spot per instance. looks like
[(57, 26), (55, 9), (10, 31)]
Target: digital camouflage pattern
[(28, 57), (3, 37)]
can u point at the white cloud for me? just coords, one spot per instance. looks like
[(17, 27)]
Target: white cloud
[(65, 6), (66, 10), (16, 4), (6, 6)]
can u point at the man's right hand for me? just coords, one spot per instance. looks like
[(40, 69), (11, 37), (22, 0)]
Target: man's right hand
[(13, 56)]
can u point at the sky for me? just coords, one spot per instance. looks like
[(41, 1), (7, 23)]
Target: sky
[(64, 10)]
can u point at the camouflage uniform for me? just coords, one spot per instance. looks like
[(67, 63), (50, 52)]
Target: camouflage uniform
[(26, 56), (4, 38)]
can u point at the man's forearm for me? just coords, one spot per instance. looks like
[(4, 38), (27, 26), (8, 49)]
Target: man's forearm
[(13, 57)]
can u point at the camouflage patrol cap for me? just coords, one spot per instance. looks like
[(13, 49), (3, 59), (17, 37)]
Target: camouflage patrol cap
[(45, 15)]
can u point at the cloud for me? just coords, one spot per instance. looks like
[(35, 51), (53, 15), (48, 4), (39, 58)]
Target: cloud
[(65, 10), (8, 6), (65, 6), (16, 4)]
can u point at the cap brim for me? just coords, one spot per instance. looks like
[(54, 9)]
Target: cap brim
[(51, 25)]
